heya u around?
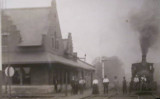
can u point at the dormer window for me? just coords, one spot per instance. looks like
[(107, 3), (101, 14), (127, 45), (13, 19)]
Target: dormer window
[(5, 39)]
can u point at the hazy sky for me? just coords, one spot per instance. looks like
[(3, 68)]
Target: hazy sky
[(98, 27)]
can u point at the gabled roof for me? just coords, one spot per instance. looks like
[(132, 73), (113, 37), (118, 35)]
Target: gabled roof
[(31, 22)]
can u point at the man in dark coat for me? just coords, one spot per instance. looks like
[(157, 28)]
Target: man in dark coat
[(55, 85), (76, 86), (124, 86), (116, 85), (73, 85)]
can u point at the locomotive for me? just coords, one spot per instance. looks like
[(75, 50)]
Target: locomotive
[(142, 76)]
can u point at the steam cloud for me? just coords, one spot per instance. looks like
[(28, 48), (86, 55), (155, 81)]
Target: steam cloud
[(146, 23)]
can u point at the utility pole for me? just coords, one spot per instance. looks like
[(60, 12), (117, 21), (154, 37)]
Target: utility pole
[(0, 50), (102, 68), (102, 61), (66, 89)]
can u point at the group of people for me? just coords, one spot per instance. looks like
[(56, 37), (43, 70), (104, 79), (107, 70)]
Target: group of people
[(106, 82), (140, 82), (57, 86), (78, 85)]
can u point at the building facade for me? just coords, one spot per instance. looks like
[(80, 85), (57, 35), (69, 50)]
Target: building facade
[(33, 45)]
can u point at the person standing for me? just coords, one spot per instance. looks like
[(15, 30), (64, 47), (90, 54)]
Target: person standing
[(76, 87), (136, 82), (73, 85), (95, 87), (131, 86), (81, 85), (116, 83), (105, 84), (124, 86), (55, 85), (143, 82)]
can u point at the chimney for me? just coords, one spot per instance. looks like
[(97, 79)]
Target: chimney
[(144, 58), (70, 36), (75, 55)]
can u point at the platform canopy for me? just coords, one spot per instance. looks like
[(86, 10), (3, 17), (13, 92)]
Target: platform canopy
[(40, 58)]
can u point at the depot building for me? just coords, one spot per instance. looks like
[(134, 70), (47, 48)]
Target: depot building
[(33, 45)]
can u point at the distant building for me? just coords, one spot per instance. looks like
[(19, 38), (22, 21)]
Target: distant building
[(113, 66), (32, 43)]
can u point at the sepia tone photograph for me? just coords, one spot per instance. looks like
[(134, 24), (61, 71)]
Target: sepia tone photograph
[(80, 49)]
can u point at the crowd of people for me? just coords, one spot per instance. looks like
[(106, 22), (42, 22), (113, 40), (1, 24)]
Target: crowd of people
[(79, 85), (106, 82)]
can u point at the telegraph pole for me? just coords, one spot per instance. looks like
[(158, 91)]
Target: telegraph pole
[(102, 68), (102, 61), (0, 50), (66, 89)]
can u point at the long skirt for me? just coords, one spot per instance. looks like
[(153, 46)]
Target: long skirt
[(95, 89)]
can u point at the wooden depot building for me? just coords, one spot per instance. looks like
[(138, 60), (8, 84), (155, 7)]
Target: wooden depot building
[(33, 45)]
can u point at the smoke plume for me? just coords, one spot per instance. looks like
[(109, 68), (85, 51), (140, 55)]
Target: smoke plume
[(146, 22)]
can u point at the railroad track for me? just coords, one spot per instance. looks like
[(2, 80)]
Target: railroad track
[(148, 97), (111, 97), (121, 97)]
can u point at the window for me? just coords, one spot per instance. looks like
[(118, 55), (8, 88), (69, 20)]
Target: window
[(22, 76), (26, 75), (57, 44), (4, 39), (55, 35), (16, 77), (53, 42)]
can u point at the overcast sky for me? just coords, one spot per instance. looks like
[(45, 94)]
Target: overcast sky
[(98, 27)]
